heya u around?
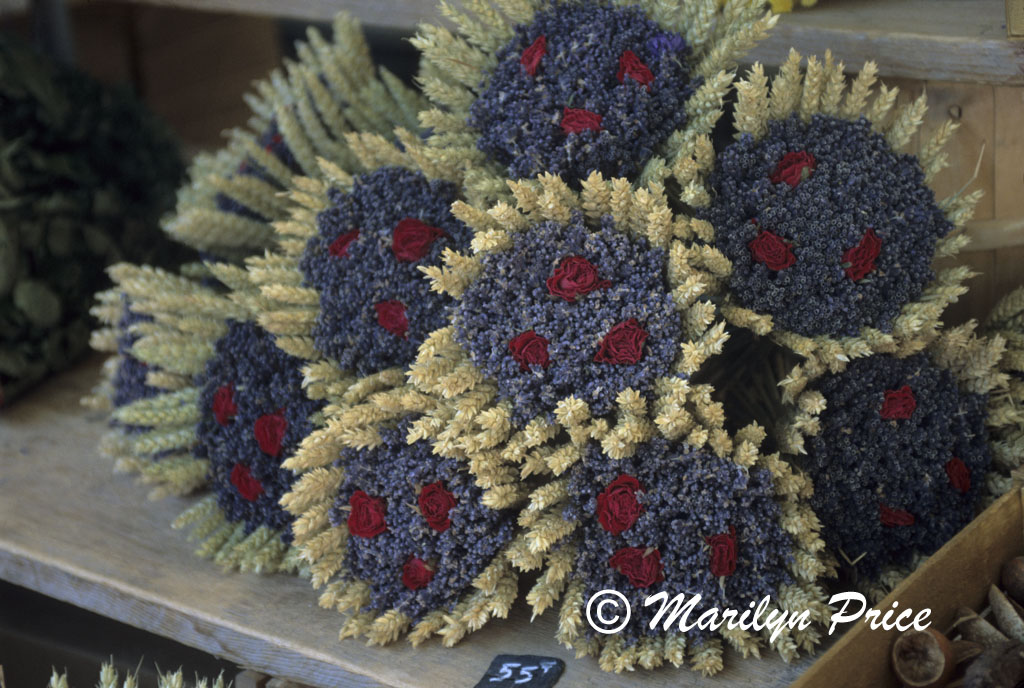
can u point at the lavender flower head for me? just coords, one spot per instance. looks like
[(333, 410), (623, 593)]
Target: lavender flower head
[(396, 472), (354, 278), (130, 377), (262, 381), (512, 297), (687, 497), (519, 114), (863, 463), (857, 183)]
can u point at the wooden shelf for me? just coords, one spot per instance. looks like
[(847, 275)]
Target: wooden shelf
[(946, 40), (73, 531), (937, 40)]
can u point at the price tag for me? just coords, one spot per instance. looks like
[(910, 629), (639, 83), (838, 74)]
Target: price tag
[(524, 671)]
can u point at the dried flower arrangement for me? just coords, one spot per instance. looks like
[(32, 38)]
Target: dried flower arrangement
[(575, 310), (830, 233), (201, 396), (299, 114), (218, 405), (527, 87), (503, 333), (87, 174), (827, 231), (900, 453)]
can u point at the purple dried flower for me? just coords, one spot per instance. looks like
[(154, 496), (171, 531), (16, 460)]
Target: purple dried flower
[(857, 183), (366, 271), (687, 497), (395, 472), (264, 380), (512, 297), (863, 464), (130, 377), (519, 114)]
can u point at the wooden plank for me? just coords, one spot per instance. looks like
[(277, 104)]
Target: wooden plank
[(102, 36), (959, 574), (973, 106), (13, 7), (997, 233), (399, 14), (980, 297), (1015, 17), (71, 530), (1009, 152), (195, 67), (950, 40), (1008, 273)]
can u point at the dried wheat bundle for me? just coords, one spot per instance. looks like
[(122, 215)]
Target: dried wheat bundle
[(225, 406), (300, 113), (110, 678)]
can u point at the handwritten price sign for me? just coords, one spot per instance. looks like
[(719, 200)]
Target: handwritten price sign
[(523, 671)]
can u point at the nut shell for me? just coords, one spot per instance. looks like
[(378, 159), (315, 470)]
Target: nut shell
[(1012, 578), (923, 659)]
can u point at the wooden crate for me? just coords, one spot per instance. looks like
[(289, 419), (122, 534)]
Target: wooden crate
[(958, 575)]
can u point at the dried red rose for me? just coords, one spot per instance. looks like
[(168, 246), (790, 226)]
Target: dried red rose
[(416, 574), (269, 430), (861, 258), (412, 239), (959, 475), (617, 507), (435, 502), (723, 553), (529, 348), (245, 482), (899, 403), (794, 168), (575, 120), (275, 140), (630, 65), (530, 59), (894, 517), (224, 408), (623, 345), (339, 247), (367, 515), (391, 316), (641, 568), (772, 250), (575, 276)]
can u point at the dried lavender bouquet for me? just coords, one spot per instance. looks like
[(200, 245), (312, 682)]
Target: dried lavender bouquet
[(201, 395), (573, 324), (822, 235), (87, 173)]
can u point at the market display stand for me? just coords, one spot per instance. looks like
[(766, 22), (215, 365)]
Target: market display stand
[(72, 530)]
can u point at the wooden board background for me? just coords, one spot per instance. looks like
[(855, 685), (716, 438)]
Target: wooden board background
[(962, 40), (191, 68), (72, 530)]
